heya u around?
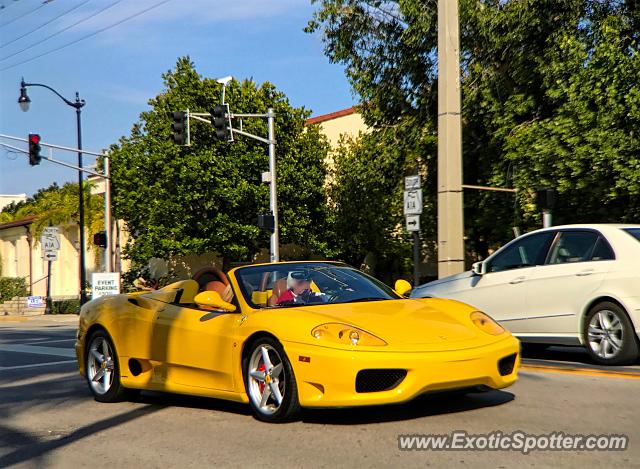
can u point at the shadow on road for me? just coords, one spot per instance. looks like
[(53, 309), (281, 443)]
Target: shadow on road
[(425, 406), (564, 355), (33, 448), (193, 402)]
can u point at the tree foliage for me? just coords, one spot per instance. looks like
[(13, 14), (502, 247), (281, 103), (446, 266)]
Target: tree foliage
[(206, 197), (366, 196), (55, 206), (549, 95)]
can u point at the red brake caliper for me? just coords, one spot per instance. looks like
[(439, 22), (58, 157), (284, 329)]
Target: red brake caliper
[(261, 384)]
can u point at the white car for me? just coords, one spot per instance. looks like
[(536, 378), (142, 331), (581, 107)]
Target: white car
[(567, 285)]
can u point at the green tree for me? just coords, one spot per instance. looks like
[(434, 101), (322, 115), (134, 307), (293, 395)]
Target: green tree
[(206, 197), (367, 198), (57, 205), (548, 96)]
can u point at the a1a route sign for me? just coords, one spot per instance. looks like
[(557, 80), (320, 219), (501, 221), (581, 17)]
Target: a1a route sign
[(413, 202), (50, 241)]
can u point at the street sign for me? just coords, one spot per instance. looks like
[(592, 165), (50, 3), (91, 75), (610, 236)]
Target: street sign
[(413, 223), (413, 202), (51, 255), (104, 283), (50, 242), (34, 302), (412, 183)]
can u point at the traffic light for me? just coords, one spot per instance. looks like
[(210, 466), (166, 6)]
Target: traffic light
[(180, 128), (34, 149), (546, 198), (267, 222), (220, 122), (100, 239)]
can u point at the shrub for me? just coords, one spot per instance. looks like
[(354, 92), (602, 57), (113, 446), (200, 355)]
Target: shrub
[(11, 287), (71, 306)]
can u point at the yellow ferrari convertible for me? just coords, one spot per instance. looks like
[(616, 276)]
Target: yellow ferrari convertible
[(283, 336)]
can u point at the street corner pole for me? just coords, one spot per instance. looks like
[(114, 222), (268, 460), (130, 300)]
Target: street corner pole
[(83, 273), (108, 265), (416, 258), (47, 309), (273, 189), (450, 204)]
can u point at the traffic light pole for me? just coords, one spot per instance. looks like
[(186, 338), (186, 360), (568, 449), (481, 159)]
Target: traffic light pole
[(273, 193), (83, 270), (274, 242)]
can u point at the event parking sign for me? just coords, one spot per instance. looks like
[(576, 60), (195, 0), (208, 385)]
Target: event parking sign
[(105, 283)]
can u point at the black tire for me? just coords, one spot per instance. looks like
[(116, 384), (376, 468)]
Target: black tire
[(115, 392), (627, 350), (289, 408)]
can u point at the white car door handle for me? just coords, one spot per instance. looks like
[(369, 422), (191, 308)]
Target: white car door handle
[(582, 273), (518, 280)]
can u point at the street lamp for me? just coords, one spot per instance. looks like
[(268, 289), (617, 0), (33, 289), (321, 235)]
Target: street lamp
[(24, 102)]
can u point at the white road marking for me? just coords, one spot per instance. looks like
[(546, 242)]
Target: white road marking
[(51, 341), (37, 364), (58, 352)]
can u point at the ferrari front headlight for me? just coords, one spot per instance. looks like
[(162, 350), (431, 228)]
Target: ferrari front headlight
[(346, 335), (484, 322)]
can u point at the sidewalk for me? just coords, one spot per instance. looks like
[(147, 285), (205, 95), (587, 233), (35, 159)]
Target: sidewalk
[(71, 319)]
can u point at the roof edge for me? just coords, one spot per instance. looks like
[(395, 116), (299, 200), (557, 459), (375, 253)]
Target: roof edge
[(330, 116)]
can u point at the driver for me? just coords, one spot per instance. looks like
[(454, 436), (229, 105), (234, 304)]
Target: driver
[(299, 291)]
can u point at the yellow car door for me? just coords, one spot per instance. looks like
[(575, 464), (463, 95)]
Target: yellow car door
[(195, 346)]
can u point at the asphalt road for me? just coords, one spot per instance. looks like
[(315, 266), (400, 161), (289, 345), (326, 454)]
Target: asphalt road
[(49, 419)]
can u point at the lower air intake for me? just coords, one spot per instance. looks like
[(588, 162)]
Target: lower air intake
[(379, 380), (506, 364)]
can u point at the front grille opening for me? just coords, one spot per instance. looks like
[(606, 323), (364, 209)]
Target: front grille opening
[(506, 364), (379, 380)]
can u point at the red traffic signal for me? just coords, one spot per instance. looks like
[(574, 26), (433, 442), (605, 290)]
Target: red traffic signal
[(34, 149)]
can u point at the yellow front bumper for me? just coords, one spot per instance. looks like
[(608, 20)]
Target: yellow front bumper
[(326, 377)]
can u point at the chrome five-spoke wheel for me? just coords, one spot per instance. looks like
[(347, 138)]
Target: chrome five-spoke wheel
[(102, 369), (270, 383), (100, 366), (266, 379)]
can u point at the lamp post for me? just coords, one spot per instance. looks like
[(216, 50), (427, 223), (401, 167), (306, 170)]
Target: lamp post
[(78, 104)]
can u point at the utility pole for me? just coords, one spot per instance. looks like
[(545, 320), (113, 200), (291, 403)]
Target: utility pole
[(450, 206), (273, 190)]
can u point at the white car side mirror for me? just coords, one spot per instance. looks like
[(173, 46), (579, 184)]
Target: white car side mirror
[(479, 268)]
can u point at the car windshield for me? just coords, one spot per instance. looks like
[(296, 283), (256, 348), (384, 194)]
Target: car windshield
[(635, 232), (308, 283)]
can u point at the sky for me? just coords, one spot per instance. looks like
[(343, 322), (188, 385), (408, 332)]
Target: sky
[(117, 70)]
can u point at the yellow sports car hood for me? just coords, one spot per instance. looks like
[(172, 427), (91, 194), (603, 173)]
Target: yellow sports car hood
[(430, 324)]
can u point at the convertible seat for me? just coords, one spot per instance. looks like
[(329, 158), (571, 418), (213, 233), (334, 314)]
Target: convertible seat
[(223, 290), (214, 279)]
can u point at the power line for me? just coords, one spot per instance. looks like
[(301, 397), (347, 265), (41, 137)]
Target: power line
[(59, 32), (2, 7), (45, 24), (87, 36), (23, 15)]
